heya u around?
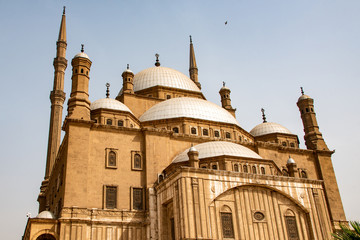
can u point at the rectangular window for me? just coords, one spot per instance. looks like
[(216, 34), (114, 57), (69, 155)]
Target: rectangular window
[(110, 197), (227, 225), (291, 227), (137, 198)]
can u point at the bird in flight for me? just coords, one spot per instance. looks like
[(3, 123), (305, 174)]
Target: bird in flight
[(226, 23)]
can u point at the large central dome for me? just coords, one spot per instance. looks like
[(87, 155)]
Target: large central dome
[(163, 76), (190, 108)]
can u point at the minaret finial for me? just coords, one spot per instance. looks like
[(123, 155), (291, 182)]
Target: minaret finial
[(223, 84), (107, 90), (263, 115), (190, 39), (127, 67), (302, 90), (82, 47), (157, 60), (64, 10)]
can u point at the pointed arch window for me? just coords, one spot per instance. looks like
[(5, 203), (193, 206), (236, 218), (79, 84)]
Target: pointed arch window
[(245, 168), (291, 225), (254, 169), (236, 167), (262, 170)]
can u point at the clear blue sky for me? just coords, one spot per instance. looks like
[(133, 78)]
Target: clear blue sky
[(268, 49)]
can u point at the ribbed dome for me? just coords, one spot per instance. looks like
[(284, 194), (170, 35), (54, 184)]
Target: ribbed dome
[(267, 128), (109, 103), (218, 148), (188, 107), (163, 76), (46, 214)]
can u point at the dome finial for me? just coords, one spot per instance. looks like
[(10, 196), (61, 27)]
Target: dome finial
[(107, 90), (190, 39), (127, 67), (263, 115), (82, 47), (157, 60), (64, 10), (223, 84), (302, 90)]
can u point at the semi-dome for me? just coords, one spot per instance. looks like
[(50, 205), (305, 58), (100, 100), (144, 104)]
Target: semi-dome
[(188, 107), (109, 103), (163, 76), (46, 214), (218, 148), (268, 128)]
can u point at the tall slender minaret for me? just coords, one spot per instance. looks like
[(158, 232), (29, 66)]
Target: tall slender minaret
[(193, 70), (57, 97)]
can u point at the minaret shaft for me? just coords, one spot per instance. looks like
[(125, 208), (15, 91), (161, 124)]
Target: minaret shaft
[(57, 98), (193, 70)]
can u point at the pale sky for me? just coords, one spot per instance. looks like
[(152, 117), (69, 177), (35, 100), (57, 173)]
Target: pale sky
[(268, 49)]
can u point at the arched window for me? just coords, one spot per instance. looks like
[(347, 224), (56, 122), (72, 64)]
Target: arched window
[(193, 130), (284, 144), (217, 133), (292, 144), (307, 110), (168, 96), (108, 121), (227, 222), (82, 70), (46, 236), (203, 166), (236, 167), (176, 130), (120, 123), (227, 135), (214, 167), (262, 170), (137, 161), (285, 173), (205, 132), (291, 226), (304, 174), (111, 159), (254, 169), (245, 168), (76, 71)]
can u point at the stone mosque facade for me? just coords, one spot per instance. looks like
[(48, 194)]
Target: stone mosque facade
[(162, 162)]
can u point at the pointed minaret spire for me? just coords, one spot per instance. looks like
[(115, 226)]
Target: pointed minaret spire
[(193, 70), (263, 115), (62, 32), (107, 90), (57, 98)]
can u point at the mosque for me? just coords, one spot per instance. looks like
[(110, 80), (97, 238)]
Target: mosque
[(162, 162)]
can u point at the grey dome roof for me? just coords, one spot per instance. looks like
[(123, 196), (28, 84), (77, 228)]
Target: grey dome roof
[(163, 76), (109, 103), (268, 128), (290, 161), (46, 214), (218, 148), (82, 54), (188, 107)]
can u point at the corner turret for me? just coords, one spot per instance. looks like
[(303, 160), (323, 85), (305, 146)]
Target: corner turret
[(128, 84), (313, 137), (79, 104), (225, 99)]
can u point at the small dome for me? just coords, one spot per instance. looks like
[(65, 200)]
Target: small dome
[(128, 71), (109, 103), (82, 54), (268, 128), (218, 148), (46, 214), (302, 97), (188, 107), (163, 76), (224, 88), (192, 149), (290, 161)]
